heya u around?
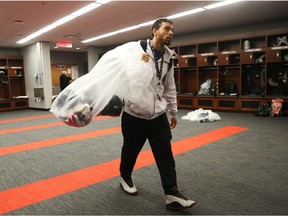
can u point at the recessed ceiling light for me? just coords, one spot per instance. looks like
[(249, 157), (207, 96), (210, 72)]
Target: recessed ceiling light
[(220, 4), (70, 36), (63, 20), (18, 22)]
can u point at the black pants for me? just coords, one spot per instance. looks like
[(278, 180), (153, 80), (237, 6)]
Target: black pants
[(135, 133)]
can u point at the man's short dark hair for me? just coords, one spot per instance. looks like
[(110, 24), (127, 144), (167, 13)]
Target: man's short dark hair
[(158, 22)]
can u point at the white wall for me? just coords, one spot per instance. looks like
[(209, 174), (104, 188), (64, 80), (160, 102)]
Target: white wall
[(37, 60)]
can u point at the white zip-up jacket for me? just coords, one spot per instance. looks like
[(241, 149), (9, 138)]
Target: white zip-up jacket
[(157, 97)]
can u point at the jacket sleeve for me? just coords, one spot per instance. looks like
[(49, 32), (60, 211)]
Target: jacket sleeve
[(170, 94)]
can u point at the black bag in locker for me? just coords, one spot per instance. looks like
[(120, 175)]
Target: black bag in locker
[(230, 87)]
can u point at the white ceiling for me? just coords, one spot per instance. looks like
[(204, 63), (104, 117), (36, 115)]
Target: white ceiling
[(120, 14)]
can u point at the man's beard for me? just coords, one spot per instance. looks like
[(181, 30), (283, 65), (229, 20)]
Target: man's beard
[(166, 42)]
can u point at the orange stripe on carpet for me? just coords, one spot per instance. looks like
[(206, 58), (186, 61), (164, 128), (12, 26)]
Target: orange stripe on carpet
[(34, 127), (191, 143), (29, 194), (25, 118), (56, 141), (206, 138)]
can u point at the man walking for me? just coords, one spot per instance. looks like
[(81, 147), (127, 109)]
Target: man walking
[(147, 119)]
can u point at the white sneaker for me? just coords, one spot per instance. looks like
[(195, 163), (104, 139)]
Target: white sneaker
[(128, 186), (178, 202)]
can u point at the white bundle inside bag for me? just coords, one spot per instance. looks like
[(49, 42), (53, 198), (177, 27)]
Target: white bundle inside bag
[(120, 72)]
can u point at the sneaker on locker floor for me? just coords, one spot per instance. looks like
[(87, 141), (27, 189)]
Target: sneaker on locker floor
[(128, 186), (176, 202)]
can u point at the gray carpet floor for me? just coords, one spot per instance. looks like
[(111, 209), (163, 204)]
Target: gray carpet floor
[(243, 174)]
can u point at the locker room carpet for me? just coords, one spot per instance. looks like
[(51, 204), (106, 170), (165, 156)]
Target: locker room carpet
[(235, 166)]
